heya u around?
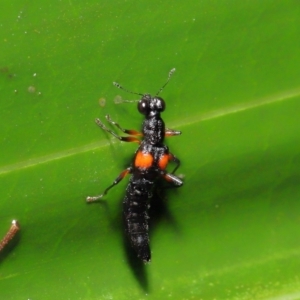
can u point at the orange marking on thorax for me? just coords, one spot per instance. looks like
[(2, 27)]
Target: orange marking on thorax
[(143, 160), (163, 161)]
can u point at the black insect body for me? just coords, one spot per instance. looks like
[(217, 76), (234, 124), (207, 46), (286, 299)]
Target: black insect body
[(149, 163), (135, 213)]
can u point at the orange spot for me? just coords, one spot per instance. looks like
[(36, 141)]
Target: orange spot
[(163, 161), (143, 160)]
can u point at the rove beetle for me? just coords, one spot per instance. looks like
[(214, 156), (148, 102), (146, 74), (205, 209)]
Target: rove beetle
[(149, 163)]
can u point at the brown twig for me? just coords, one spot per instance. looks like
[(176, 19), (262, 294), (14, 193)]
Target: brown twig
[(14, 228)]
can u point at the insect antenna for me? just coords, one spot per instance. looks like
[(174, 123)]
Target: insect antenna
[(125, 101), (119, 100), (169, 77)]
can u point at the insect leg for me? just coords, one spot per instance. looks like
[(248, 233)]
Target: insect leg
[(121, 138), (128, 131), (171, 132), (173, 158), (116, 181), (172, 178)]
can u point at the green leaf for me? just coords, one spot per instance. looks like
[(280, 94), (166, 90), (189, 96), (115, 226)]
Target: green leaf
[(232, 230)]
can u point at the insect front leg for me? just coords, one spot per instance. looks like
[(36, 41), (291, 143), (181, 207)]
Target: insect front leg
[(116, 181), (121, 138), (171, 132), (128, 131)]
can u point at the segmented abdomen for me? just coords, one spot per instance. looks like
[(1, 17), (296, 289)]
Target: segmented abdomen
[(135, 210)]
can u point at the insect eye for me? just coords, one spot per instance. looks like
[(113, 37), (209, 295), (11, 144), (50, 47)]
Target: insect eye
[(160, 104), (143, 106)]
